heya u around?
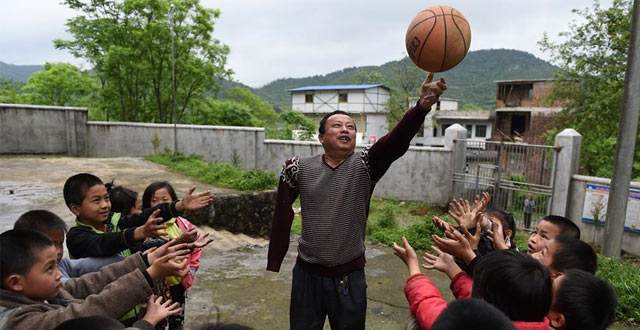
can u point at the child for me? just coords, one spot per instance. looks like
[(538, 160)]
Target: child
[(582, 301), (54, 228), (123, 200), (162, 192), (472, 314), (548, 228), (563, 253), (101, 233), (526, 301), (32, 296)]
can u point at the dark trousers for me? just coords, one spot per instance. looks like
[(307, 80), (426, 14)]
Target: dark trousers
[(527, 220), (342, 298)]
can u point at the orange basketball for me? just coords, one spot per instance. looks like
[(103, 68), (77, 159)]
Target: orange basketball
[(438, 38)]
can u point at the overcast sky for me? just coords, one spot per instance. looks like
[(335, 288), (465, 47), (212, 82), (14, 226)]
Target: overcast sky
[(271, 39)]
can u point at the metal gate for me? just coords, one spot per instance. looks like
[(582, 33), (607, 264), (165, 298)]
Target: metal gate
[(510, 172)]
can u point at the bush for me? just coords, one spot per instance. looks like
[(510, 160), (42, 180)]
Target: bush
[(625, 279), (219, 174)]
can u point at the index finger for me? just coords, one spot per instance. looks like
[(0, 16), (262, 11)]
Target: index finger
[(429, 77)]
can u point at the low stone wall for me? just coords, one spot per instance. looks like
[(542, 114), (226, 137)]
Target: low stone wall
[(591, 233), (247, 213)]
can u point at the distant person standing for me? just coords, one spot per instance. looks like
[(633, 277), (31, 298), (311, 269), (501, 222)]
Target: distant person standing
[(335, 189), (527, 208)]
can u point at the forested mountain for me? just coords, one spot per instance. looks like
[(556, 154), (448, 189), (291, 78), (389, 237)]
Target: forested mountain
[(471, 82), (18, 73)]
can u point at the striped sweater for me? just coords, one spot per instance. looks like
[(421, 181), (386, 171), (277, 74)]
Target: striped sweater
[(335, 202)]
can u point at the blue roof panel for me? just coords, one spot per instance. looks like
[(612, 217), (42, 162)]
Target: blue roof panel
[(334, 87)]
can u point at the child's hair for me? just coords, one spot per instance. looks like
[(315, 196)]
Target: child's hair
[(472, 314), (19, 251), (95, 322), (586, 301), (224, 326), (122, 199), (76, 187), (515, 283), (506, 220), (147, 196), (40, 220), (566, 226), (573, 253)]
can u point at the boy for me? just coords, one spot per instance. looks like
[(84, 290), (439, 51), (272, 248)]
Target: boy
[(32, 296), (563, 253), (582, 301), (54, 228), (472, 314), (100, 233), (515, 283), (548, 228)]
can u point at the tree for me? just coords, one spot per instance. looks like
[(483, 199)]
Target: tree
[(260, 108), (407, 81), (58, 84), (129, 44), (592, 62), (223, 112), (10, 91)]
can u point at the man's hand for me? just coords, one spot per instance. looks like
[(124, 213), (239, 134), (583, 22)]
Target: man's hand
[(408, 255), (152, 228), (430, 92), (158, 311), (443, 262), (192, 202)]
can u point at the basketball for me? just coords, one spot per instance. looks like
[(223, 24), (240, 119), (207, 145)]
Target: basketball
[(438, 38)]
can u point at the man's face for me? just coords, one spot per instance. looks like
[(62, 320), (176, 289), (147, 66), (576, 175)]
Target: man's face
[(95, 206), (340, 134), (57, 237), (545, 231), (43, 280)]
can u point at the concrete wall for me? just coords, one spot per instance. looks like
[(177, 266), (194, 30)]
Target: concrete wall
[(30, 129), (239, 145), (590, 232)]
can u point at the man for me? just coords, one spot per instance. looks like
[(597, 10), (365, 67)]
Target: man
[(335, 189)]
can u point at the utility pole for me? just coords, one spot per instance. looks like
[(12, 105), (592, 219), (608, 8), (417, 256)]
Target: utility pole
[(625, 148), (172, 11)]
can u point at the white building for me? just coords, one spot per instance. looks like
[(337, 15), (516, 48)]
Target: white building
[(365, 103)]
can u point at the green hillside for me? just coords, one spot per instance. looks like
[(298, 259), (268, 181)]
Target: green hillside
[(18, 73), (472, 81)]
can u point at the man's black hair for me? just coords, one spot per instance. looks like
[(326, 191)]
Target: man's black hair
[(40, 220), (19, 250), (76, 187), (122, 199), (586, 301), (95, 322), (566, 226), (472, 314), (147, 196), (573, 253), (515, 283), (323, 121)]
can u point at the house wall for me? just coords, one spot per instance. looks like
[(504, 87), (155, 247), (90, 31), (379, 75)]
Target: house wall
[(369, 100)]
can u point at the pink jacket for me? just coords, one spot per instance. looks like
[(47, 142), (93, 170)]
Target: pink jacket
[(194, 257), (426, 302)]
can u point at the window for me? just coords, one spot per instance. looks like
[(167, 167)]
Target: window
[(481, 131), (435, 132), (342, 98), (438, 106), (469, 130), (308, 98), (444, 128)]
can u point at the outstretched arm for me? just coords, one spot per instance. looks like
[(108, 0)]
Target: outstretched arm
[(394, 144)]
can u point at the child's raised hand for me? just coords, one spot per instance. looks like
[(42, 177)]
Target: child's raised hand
[(445, 226), (462, 213), (443, 262), (164, 249), (188, 237), (154, 227), (408, 255), (455, 244), (497, 235), (172, 264), (202, 241), (191, 201), (158, 311)]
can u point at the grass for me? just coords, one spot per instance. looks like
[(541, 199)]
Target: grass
[(219, 174)]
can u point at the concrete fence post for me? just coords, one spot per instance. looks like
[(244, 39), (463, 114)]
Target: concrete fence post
[(567, 162), (458, 154)]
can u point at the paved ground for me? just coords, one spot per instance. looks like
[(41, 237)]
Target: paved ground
[(232, 285)]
